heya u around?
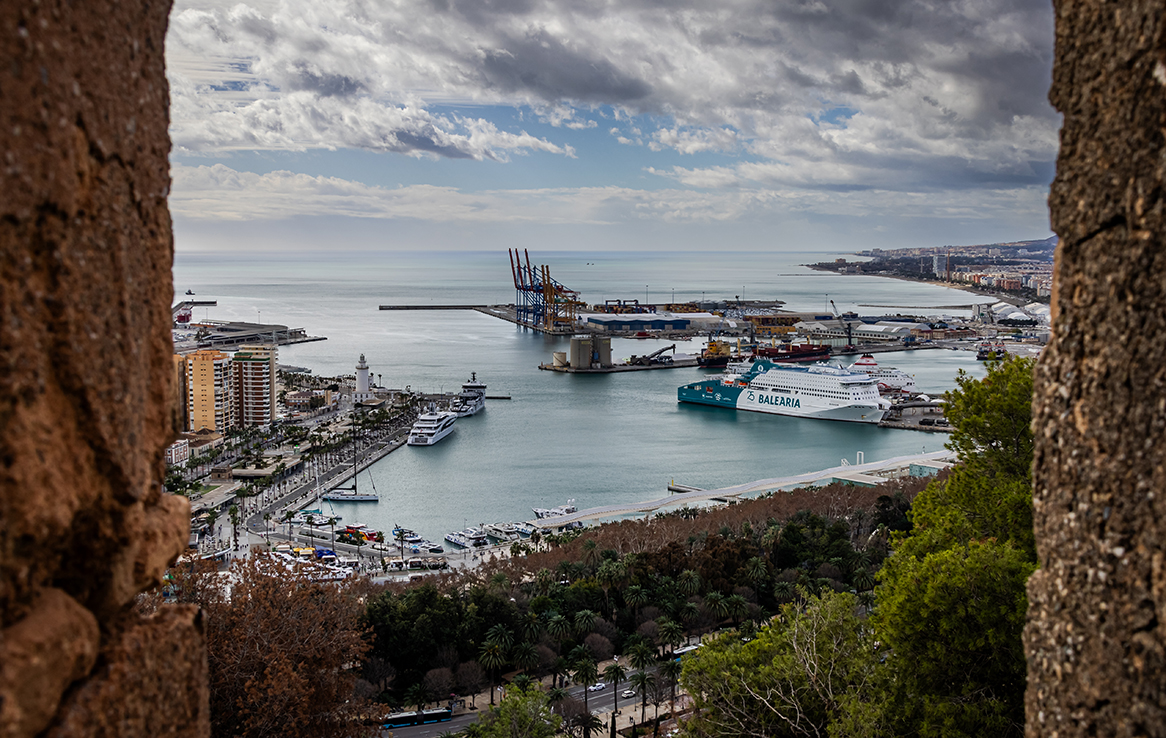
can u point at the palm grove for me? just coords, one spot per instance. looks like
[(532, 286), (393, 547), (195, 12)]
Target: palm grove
[(823, 631)]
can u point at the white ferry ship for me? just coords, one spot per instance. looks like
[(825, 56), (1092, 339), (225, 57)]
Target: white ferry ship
[(890, 379), (431, 427), (471, 399), (819, 391)]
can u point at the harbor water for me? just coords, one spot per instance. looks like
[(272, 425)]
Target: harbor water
[(598, 439)]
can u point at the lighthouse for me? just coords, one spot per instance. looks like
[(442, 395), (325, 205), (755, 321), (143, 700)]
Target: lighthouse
[(363, 392)]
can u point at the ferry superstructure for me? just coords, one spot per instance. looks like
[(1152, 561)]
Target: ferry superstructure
[(890, 379), (819, 391), (431, 427)]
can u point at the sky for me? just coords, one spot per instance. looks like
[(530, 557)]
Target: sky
[(736, 125)]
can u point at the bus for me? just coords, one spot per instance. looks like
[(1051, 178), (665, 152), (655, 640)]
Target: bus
[(401, 719)]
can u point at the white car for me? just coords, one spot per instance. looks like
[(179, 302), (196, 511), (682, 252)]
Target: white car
[(597, 687), (628, 693)]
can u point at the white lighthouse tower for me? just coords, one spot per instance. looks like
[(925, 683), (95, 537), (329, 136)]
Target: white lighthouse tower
[(363, 393)]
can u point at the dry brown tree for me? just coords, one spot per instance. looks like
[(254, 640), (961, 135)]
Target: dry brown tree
[(284, 651)]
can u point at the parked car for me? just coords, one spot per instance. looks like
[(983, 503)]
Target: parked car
[(597, 687)]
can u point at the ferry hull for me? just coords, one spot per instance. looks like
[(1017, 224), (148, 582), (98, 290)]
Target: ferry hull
[(713, 392)]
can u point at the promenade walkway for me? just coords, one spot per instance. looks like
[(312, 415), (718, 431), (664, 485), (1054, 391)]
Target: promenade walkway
[(872, 469)]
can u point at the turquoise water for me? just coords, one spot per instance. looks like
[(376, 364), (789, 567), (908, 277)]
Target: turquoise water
[(598, 439)]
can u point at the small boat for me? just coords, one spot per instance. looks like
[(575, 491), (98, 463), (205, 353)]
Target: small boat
[(524, 529), (554, 512), (347, 495), (476, 536), (190, 292), (457, 539), (501, 531)]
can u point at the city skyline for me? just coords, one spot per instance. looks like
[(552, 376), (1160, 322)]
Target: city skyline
[(575, 125)]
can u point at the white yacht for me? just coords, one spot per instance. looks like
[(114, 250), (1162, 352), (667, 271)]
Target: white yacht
[(431, 427), (471, 399), (502, 531)]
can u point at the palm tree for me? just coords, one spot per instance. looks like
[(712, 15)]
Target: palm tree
[(493, 658), (643, 682), (590, 552), (416, 695), (531, 626), (559, 629), (287, 516), (671, 670), (543, 581), (715, 602), (500, 634), (586, 672), (332, 525), (736, 606), (641, 656), (399, 534), (688, 582), (636, 596), (688, 612), (525, 656), (584, 621), (670, 632), (615, 674), (233, 512), (522, 681), (555, 695), (756, 571)]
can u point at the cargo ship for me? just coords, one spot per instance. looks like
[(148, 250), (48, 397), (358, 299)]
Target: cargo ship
[(819, 391)]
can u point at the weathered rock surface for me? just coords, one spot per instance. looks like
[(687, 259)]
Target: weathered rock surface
[(85, 369), (1096, 636)]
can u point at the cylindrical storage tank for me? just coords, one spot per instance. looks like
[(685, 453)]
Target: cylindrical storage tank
[(602, 345), (559, 358)]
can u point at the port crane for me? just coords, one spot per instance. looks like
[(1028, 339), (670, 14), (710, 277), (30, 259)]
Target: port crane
[(649, 359), (845, 326)]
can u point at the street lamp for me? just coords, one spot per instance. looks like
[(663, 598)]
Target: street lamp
[(645, 294)]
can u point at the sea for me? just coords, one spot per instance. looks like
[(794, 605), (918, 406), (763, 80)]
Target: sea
[(591, 439)]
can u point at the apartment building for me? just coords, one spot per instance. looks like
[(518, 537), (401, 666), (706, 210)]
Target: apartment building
[(255, 377), (210, 391)]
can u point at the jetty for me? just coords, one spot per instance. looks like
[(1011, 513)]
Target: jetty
[(863, 474)]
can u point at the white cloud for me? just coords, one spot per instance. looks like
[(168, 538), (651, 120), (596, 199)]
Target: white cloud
[(829, 92), (219, 193)]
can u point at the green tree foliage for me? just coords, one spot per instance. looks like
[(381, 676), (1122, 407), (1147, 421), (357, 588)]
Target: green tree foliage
[(952, 621), (951, 602), (991, 419), (789, 680), (522, 713)]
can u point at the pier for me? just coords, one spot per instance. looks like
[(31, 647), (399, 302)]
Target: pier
[(863, 474)]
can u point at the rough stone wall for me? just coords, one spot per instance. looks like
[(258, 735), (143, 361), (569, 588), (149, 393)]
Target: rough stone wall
[(86, 377), (1096, 636)]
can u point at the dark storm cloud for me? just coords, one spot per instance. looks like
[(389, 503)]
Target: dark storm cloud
[(548, 68)]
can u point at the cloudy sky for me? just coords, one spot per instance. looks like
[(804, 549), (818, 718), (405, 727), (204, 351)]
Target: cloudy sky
[(584, 124)]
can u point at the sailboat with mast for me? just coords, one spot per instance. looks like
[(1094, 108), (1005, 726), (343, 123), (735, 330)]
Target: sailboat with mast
[(346, 493)]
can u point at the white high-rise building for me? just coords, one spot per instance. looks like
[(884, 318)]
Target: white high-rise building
[(255, 374)]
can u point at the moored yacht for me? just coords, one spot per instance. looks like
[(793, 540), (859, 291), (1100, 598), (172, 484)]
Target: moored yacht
[(471, 399), (431, 427)]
